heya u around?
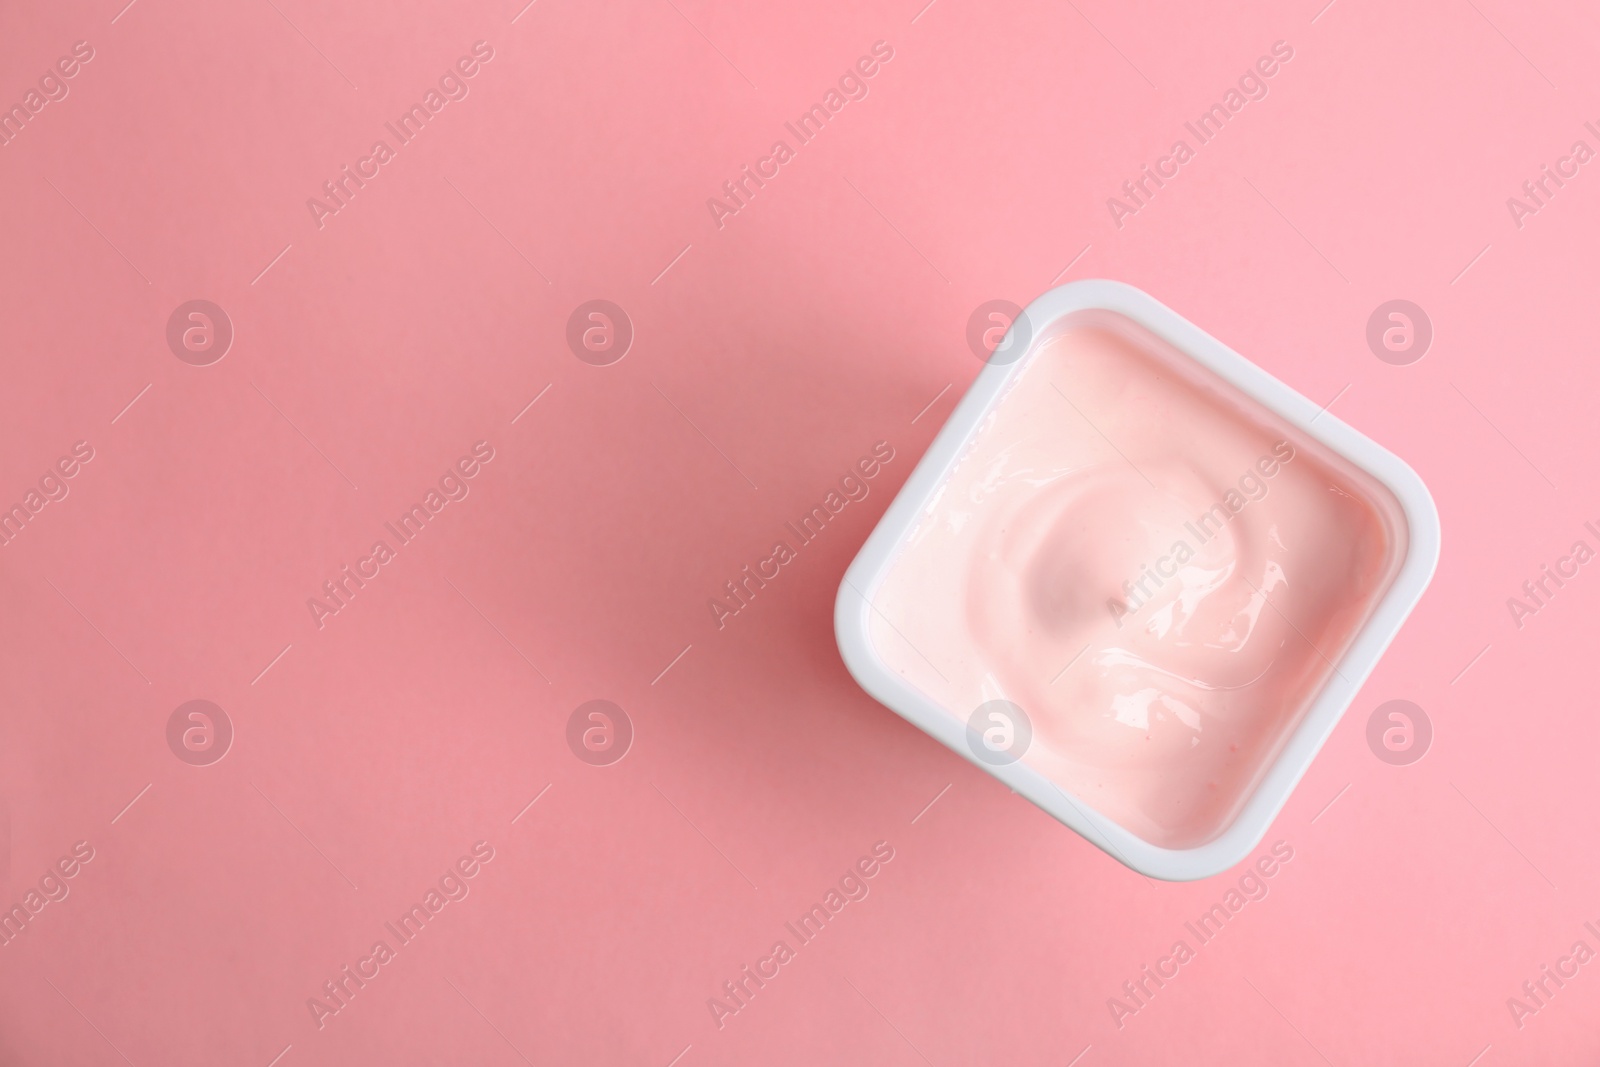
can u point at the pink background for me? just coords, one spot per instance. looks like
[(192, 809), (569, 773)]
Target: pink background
[(769, 355)]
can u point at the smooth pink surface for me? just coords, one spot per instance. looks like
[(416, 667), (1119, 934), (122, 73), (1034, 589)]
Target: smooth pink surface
[(369, 356), (1159, 571)]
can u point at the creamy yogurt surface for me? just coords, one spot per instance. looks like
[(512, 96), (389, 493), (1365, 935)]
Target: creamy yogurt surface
[(1158, 571)]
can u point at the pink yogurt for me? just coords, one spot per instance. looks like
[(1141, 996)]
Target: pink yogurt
[(1158, 570)]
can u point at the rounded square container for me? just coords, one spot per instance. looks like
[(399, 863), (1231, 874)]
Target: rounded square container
[(1173, 737)]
